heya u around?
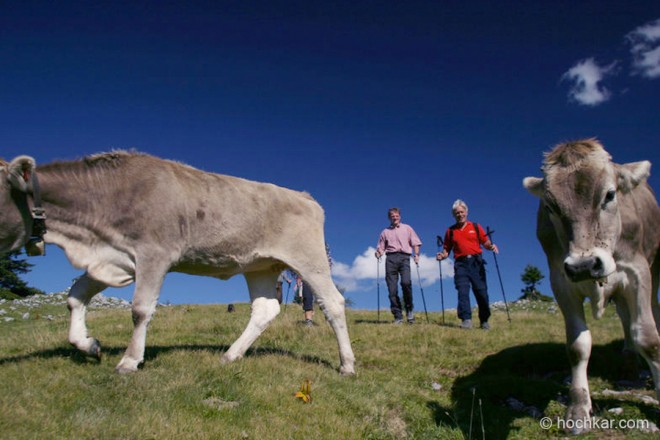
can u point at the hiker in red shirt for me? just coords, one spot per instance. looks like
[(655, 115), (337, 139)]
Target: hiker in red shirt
[(465, 239)]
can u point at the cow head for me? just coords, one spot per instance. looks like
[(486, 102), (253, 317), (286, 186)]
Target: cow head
[(580, 197), (15, 218)]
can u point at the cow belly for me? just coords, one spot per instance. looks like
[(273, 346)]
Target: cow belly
[(226, 268), (223, 272)]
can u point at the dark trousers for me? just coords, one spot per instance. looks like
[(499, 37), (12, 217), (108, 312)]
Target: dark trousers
[(399, 264), (308, 297), (471, 272), (278, 292)]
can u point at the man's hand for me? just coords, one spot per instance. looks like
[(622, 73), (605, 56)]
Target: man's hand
[(441, 255)]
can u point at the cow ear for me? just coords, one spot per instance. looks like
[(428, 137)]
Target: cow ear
[(20, 172), (632, 174), (534, 185)]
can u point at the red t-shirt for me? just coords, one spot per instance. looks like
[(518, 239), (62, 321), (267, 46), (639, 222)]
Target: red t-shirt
[(465, 240)]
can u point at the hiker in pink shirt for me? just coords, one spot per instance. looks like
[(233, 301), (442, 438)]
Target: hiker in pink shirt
[(399, 241)]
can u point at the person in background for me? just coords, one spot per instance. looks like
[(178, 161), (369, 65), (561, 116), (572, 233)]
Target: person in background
[(399, 241), (283, 276), (466, 239), (306, 293), (308, 304), (305, 296)]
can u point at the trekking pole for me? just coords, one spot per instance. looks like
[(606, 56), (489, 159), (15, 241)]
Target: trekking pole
[(442, 292), (422, 290), (378, 285), (497, 266)]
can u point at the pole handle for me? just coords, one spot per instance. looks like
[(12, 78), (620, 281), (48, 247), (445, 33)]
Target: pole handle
[(489, 232)]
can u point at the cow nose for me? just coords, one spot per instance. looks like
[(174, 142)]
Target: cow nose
[(584, 269)]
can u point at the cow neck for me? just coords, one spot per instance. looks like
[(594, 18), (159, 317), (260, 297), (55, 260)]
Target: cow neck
[(35, 245)]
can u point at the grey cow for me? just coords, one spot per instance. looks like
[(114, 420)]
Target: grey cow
[(127, 217), (599, 225)]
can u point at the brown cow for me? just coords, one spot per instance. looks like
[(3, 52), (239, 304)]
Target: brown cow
[(599, 225), (129, 217)]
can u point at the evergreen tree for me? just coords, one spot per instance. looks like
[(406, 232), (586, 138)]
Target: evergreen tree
[(11, 285), (532, 276)]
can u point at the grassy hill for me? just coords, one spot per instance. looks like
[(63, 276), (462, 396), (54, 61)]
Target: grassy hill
[(425, 381)]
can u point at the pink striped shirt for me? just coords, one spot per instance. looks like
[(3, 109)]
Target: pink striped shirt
[(399, 239)]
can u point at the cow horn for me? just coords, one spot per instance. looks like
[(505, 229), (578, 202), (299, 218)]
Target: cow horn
[(20, 172)]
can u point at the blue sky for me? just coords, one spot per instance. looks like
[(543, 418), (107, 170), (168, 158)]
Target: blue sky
[(365, 105)]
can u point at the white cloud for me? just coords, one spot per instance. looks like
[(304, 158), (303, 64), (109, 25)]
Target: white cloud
[(586, 78), (363, 268), (362, 273), (645, 49)]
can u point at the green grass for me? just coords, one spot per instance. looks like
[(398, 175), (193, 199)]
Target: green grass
[(48, 391)]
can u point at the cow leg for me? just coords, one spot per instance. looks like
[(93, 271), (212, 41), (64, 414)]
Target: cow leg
[(642, 324), (655, 280), (81, 293), (629, 371), (332, 303), (578, 344), (265, 307), (145, 299)]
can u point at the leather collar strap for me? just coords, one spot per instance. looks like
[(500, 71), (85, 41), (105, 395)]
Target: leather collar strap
[(38, 217)]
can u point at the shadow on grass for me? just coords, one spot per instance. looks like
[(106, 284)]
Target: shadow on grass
[(419, 320), (153, 352), (374, 321), (533, 374)]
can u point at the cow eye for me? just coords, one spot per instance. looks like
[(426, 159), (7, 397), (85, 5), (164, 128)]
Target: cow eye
[(609, 197)]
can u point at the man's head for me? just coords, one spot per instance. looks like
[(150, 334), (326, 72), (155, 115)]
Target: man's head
[(395, 216), (460, 211)]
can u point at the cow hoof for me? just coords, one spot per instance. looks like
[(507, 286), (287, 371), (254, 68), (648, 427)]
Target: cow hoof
[(225, 359), (127, 366), (347, 371), (580, 420), (95, 350), (124, 370)]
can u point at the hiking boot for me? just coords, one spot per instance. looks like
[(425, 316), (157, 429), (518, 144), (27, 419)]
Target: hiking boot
[(309, 323), (410, 317), (466, 324), (485, 326), (398, 321)]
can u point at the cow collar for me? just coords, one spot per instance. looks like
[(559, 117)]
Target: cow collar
[(35, 245)]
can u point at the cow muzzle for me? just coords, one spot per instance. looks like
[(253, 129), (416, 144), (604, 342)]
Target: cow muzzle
[(592, 267)]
